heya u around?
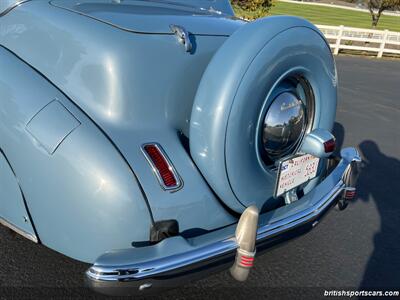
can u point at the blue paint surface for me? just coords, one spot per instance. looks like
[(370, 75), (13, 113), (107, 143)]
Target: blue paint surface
[(122, 79)]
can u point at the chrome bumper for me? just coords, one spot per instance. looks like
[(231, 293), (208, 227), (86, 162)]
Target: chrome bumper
[(176, 260)]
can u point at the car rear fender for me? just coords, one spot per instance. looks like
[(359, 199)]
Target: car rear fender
[(82, 195), (13, 211)]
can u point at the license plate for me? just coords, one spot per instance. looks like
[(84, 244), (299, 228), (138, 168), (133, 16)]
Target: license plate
[(295, 171)]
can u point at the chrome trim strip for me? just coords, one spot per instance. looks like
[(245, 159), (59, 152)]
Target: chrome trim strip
[(10, 8), (150, 269), (25, 234), (179, 181)]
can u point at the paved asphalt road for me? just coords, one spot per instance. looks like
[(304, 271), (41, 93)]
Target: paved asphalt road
[(359, 247)]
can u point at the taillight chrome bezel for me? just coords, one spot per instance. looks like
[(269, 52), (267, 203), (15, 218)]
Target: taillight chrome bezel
[(156, 171)]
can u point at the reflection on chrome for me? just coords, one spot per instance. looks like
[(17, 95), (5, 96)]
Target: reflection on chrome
[(283, 125)]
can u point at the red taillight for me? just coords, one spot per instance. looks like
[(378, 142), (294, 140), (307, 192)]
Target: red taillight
[(163, 168), (330, 146)]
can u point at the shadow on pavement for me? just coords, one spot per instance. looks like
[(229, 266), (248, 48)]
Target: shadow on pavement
[(379, 182)]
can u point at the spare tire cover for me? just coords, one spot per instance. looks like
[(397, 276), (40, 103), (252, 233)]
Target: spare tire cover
[(234, 93)]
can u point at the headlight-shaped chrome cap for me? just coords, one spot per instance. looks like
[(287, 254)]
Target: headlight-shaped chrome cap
[(284, 125)]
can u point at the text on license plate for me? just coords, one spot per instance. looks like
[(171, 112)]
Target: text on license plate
[(295, 171)]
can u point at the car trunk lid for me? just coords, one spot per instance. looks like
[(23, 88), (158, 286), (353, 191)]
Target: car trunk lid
[(201, 17)]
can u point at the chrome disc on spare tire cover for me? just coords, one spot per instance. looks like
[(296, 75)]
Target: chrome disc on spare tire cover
[(283, 125), (246, 85)]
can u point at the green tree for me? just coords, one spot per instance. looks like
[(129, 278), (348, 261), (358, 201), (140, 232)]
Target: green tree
[(376, 7), (252, 9)]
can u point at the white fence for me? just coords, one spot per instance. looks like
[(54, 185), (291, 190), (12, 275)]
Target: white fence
[(350, 7), (349, 38)]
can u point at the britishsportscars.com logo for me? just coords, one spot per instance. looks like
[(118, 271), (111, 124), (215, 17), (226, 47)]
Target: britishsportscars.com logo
[(361, 293)]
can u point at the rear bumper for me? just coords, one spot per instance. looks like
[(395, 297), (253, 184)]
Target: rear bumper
[(176, 260)]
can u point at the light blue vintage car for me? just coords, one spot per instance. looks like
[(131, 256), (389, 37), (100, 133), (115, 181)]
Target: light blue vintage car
[(161, 140)]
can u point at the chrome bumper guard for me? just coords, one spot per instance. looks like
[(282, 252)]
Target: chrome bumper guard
[(177, 260)]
